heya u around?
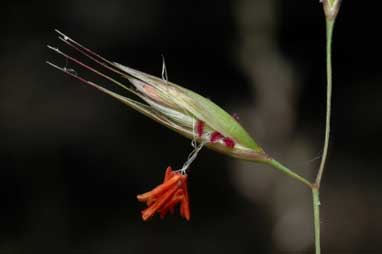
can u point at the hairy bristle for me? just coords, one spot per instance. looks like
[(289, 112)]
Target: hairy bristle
[(92, 55), (73, 74), (66, 56)]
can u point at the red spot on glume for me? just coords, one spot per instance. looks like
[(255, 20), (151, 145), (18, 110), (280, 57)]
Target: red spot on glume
[(200, 128), (216, 136), (229, 142)]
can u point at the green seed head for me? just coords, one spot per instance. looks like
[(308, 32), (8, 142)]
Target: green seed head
[(175, 107)]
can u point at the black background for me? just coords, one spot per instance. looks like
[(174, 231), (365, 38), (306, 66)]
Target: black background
[(72, 160)]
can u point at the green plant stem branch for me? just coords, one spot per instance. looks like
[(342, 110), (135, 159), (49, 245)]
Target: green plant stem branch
[(316, 215), (277, 165), (331, 9), (331, 12), (315, 187), (329, 35)]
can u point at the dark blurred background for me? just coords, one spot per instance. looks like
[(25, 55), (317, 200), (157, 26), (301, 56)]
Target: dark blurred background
[(73, 160)]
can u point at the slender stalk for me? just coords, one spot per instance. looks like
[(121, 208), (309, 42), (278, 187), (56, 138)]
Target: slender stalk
[(316, 213), (277, 165), (316, 185), (329, 35), (331, 8)]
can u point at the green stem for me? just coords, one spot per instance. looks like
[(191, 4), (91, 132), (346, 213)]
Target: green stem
[(277, 165), (330, 13), (329, 35), (316, 213)]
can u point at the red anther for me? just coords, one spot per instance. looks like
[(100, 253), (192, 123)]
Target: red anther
[(166, 196), (200, 128), (216, 136), (229, 142)]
